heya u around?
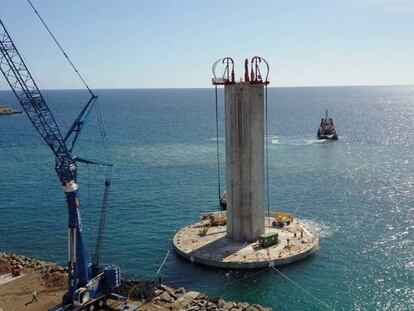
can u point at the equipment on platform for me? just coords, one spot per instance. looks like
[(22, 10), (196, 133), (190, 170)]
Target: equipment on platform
[(281, 219), (89, 284), (214, 219), (268, 239)]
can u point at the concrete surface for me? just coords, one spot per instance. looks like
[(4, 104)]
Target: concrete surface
[(218, 250), (244, 118), (9, 278)]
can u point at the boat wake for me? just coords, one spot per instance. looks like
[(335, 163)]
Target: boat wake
[(324, 229), (294, 140)]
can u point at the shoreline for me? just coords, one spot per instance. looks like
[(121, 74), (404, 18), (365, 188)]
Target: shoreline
[(49, 279)]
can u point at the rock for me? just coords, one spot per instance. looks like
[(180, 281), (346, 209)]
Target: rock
[(202, 303), (192, 295), (165, 297), (182, 302), (211, 306), (157, 292), (169, 290), (220, 303), (228, 305), (179, 291), (243, 306), (254, 308)]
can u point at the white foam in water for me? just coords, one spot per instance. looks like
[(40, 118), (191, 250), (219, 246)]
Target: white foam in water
[(323, 228), (293, 140), (273, 139), (220, 139)]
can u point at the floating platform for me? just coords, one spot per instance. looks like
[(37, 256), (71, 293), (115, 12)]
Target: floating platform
[(215, 249)]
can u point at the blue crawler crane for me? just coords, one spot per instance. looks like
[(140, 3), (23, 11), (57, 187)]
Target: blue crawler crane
[(89, 284)]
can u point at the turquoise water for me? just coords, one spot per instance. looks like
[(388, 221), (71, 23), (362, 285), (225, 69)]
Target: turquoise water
[(358, 192)]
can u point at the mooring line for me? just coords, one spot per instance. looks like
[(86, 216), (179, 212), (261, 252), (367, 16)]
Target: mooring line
[(223, 289), (304, 289), (162, 264), (246, 277), (158, 271)]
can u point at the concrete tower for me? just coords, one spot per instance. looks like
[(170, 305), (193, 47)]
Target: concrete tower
[(241, 243), (244, 118)]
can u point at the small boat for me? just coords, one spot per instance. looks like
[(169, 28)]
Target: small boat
[(7, 110), (326, 128)]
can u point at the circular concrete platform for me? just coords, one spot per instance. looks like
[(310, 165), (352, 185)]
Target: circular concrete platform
[(217, 250)]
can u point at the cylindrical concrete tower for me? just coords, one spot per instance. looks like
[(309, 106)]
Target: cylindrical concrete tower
[(244, 118), (233, 244)]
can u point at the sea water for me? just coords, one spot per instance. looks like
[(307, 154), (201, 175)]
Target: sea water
[(358, 192)]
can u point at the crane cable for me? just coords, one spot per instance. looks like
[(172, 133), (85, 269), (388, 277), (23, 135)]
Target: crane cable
[(98, 112), (88, 202), (104, 140), (61, 48), (218, 147), (97, 108)]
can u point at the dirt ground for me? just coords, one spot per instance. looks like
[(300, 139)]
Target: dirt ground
[(17, 295), (49, 280)]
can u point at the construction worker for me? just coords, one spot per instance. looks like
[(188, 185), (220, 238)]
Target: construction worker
[(34, 296), (223, 201)]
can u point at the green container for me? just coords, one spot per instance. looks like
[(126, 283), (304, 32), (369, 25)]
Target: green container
[(268, 239)]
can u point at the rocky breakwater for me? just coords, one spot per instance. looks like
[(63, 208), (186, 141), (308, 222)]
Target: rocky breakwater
[(149, 296), (163, 297), (9, 260)]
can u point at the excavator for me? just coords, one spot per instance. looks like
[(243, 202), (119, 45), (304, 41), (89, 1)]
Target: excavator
[(90, 285), (213, 219), (281, 219)]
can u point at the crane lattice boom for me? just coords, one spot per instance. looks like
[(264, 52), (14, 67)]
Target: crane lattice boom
[(25, 88)]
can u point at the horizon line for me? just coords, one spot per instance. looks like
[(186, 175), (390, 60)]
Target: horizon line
[(211, 87)]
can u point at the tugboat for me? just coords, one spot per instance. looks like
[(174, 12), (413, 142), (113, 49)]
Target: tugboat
[(326, 128), (7, 110)]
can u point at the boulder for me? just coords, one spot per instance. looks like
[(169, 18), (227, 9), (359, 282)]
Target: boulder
[(228, 305), (165, 297), (243, 306), (179, 291), (192, 295)]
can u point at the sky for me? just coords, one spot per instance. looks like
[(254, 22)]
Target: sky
[(173, 43)]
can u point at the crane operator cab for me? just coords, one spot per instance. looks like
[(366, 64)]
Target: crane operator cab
[(81, 296)]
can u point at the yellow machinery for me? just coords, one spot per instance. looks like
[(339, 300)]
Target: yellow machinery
[(214, 219), (281, 219)]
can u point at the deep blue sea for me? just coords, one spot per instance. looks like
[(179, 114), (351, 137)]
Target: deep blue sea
[(358, 191)]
